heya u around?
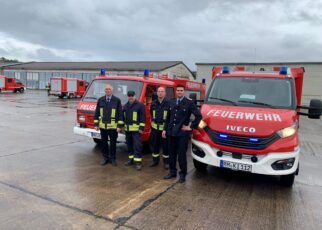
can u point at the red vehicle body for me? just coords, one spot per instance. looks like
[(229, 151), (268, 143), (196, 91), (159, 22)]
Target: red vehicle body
[(145, 88), (11, 84), (67, 87), (250, 122)]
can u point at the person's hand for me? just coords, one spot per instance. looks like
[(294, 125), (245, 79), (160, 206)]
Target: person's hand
[(118, 130), (186, 128), (164, 134), (140, 131)]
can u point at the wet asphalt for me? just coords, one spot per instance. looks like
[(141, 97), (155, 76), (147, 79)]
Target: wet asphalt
[(52, 179)]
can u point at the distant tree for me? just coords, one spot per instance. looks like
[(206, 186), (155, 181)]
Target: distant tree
[(5, 60)]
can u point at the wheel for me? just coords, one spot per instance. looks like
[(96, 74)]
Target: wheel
[(147, 147), (61, 96), (287, 180), (97, 141), (21, 90), (15, 91), (201, 167)]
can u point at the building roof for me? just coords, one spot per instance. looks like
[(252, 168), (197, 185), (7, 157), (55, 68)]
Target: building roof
[(259, 63), (96, 66)]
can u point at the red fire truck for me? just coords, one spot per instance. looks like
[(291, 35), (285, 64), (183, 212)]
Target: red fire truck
[(67, 87), (145, 88), (11, 84), (251, 121)]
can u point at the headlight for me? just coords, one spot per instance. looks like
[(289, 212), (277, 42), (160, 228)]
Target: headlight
[(202, 124), (287, 132), (81, 118)]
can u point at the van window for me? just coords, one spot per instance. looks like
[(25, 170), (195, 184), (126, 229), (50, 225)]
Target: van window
[(150, 90), (170, 93)]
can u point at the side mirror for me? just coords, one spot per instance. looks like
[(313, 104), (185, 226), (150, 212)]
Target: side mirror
[(314, 110)]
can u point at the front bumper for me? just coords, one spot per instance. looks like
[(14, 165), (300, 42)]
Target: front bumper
[(262, 166), (92, 133)]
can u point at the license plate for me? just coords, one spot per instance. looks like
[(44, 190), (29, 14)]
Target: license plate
[(235, 166), (96, 135)]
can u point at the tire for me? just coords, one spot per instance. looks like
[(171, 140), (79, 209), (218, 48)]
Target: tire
[(287, 180), (316, 110), (146, 147), (97, 141), (61, 96), (200, 167), (15, 90), (21, 90)]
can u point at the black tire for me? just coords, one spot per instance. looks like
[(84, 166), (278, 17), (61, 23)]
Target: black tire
[(21, 90), (200, 167), (97, 141), (147, 147), (316, 110), (287, 180), (61, 96), (15, 90)]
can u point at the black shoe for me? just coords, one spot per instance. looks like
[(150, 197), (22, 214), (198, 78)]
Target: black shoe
[(169, 176), (138, 167), (166, 166), (154, 163), (182, 180), (129, 163), (104, 162), (113, 162)]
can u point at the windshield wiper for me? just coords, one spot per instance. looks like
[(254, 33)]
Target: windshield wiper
[(258, 103), (222, 99)]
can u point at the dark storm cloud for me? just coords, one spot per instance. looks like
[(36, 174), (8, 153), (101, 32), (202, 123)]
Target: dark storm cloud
[(192, 31)]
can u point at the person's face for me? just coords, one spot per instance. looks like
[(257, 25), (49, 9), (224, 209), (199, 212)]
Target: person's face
[(131, 98), (180, 92), (108, 90), (161, 93)]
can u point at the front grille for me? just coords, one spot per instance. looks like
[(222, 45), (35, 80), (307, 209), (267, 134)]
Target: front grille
[(241, 141)]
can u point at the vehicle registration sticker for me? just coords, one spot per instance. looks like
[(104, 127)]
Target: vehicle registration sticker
[(96, 135), (235, 166)]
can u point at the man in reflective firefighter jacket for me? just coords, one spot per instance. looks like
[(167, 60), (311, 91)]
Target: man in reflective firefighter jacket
[(108, 119), (159, 111), (134, 123), (178, 130)]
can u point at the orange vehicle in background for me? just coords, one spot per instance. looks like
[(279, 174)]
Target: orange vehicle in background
[(67, 87), (11, 84)]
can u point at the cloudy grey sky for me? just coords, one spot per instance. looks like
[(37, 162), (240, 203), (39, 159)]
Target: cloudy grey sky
[(188, 30)]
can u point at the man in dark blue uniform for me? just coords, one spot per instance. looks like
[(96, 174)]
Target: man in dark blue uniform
[(159, 111), (134, 123), (178, 130), (108, 119)]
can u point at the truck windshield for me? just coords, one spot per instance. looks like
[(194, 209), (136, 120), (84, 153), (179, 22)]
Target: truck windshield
[(250, 91), (120, 88)]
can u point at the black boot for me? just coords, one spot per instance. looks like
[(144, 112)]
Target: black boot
[(129, 162), (138, 166), (155, 162), (166, 163)]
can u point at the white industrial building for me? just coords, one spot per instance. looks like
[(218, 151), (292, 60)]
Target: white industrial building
[(36, 75)]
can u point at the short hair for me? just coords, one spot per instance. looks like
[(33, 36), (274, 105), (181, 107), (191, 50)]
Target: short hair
[(161, 86), (180, 86), (109, 85)]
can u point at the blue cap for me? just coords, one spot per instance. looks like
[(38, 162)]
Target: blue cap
[(283, 70), (103, 71), (146, 72)]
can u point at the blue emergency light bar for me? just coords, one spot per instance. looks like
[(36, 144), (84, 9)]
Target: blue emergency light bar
[(103, 71), (203, 81), (283, 70), (225, 69), (146, 72), (223, 136)]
